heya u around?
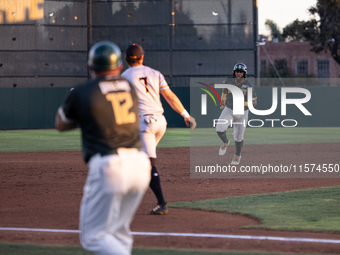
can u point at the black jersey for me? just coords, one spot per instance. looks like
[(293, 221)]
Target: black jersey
[(107, 112), (243, 86)]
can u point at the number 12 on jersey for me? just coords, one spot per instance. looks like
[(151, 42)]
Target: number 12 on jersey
[(121, 104)]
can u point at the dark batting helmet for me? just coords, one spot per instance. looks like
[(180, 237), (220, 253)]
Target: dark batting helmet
[(104, 56), (240, 67)]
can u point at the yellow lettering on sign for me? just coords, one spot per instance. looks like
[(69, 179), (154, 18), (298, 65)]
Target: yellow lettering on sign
[(15, 11)]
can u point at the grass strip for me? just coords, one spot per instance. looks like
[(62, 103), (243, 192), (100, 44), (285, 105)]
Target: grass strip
[(52, 140), (208, 136), (39, 140), (315, 210), (34, 249)]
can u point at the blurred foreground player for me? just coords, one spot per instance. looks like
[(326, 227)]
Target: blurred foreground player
[(106, 110)]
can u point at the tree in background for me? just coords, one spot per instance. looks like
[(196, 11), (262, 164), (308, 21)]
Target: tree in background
[(324, 33), (274, 30), (294, 32)]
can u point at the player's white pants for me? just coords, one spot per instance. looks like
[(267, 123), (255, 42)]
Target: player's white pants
[(114, 188), (152, 133), (239, 123)]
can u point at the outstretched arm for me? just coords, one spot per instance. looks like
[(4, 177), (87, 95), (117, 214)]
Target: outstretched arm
[(254, 102), (62, 123), (177, 106)]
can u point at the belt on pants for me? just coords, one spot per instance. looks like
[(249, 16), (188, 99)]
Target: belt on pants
[(107, 153), (115, 152), (149, 118)]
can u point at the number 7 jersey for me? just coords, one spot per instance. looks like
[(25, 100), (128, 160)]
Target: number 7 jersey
[(148, 83)]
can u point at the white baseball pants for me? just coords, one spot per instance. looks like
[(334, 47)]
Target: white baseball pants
[(239, 123), (151, 133), (114, 188)]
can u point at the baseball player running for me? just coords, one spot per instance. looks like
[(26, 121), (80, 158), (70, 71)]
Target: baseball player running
[(106, 109), (239, 121), (149, 84)]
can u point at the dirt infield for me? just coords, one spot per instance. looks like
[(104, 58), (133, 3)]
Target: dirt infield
[(43, 190)]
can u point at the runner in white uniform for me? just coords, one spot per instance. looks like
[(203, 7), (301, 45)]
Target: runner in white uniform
[(149, 84)]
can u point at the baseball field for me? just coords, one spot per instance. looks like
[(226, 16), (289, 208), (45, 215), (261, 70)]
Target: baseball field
[(42, 176)]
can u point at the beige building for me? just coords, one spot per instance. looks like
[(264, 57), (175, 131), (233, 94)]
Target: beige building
[(295, 60)]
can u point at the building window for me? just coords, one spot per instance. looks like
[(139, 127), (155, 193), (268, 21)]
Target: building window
[(301, 67), (281, 66), (323, 68), (279, 69), (263, 69)]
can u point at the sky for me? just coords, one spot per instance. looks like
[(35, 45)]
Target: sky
[(282, 12)]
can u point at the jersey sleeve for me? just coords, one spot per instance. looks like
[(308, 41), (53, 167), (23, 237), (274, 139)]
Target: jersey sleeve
[(162, 82)]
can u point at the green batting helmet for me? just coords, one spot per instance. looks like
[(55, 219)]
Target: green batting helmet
[(104, 56)]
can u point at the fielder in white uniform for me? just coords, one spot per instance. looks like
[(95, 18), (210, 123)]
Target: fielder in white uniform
[(149, 84), (106, 109)]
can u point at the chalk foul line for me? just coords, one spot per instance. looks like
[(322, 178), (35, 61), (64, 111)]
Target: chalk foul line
[(247, 237)]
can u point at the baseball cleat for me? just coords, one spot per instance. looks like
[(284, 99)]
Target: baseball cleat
[(159, 209), (236, 160), (223, 148)]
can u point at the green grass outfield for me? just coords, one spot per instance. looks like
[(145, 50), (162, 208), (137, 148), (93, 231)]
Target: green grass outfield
[(208, 136), (31, 249), (52, 140)]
